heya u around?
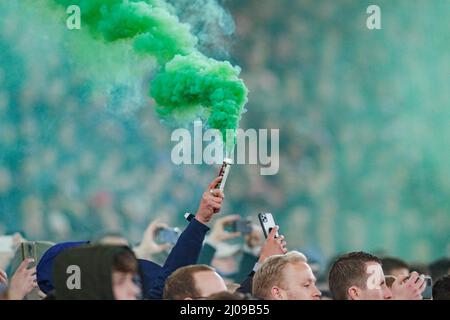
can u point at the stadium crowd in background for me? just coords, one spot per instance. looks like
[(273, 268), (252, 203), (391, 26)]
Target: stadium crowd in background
[(110, 268), (363, 164)]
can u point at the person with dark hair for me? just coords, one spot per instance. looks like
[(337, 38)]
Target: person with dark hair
[(359, 276), (394, 267), (439, 268), (349, 275), (96, 272), (193, 282), (441, 289)]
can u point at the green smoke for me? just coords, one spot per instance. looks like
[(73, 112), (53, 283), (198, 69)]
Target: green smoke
[(195, 82), (188, 84), (155, 30)]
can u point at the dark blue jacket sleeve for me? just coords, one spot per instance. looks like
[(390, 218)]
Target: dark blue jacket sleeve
[(185, 252), (246, 285)]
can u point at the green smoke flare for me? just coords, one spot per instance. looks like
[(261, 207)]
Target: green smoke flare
[(195, 82), (188, 83)]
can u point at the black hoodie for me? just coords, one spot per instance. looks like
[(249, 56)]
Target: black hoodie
[(95, 264)]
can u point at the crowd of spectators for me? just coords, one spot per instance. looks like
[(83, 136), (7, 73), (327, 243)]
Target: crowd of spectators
[(363, 158)]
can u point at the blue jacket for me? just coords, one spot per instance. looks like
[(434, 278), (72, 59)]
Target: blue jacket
[(44, 267), (185, 252)]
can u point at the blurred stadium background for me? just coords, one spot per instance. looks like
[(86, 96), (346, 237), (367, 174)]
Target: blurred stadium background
[(363, 117)]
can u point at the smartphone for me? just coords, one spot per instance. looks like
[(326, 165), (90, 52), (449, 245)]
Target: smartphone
[(28, 250), (427, 294), (267, 223), (243, 226), (167, 235)]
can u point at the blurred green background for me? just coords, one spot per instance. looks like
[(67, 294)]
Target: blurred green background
[(363, 116)]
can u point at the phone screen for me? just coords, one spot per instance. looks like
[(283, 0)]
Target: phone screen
[(242, 226), (28, 250), (167, 236), (428, 292)]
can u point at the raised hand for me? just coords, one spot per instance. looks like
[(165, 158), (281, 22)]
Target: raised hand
[(23, 281), (272, 245), (210, 203)]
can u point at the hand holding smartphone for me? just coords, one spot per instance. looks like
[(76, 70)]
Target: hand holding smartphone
[(167, 235), (244, 226), (267, 223), (427, 293)]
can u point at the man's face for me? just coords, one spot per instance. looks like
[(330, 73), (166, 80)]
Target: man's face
[(124, 287), (208, 283), (375, 287), (299, 283)]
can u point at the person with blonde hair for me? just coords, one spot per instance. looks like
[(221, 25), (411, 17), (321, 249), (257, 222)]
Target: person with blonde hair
[(285, 277)]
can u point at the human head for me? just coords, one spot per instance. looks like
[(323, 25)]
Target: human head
[(285, 277), (124, 271), (358, 276), (98, 272), (441, 289), (439, 268), (193, 282), (394, 267)]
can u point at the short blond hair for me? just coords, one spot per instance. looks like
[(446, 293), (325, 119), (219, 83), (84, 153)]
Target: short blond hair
[(270, 273)]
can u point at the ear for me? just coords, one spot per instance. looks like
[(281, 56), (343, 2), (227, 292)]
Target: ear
[(354, 293), (277, 293)]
